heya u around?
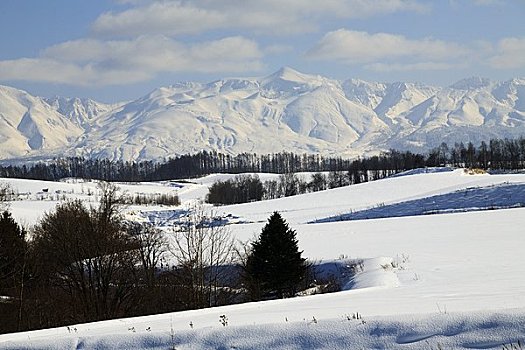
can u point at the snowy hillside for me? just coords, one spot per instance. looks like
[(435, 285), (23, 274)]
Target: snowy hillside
[(442, 281), (286, 110)]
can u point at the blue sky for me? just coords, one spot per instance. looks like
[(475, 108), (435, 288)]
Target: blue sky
[(121, 49)]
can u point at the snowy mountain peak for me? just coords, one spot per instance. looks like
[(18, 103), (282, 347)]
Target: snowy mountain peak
[(80, 111), (289, 74), (288, 79), (472, 83), (162, 92), (399, 85)]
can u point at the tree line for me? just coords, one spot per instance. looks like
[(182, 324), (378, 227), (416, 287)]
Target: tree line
[(179, 167), (500, 154), (497, 155)]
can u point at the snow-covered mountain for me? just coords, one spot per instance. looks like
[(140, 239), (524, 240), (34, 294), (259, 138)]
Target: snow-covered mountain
[(29, 124), (82, 112), (285, 111)]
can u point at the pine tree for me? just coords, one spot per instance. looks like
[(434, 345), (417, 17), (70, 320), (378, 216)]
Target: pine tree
[(12, 248), (275, 265)]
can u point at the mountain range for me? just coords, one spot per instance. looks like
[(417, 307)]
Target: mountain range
[(285, 111)]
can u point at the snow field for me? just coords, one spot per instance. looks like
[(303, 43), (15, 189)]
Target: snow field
[(449, 280)]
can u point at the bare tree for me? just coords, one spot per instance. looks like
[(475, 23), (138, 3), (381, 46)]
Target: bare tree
[(89, 256), (271, 189), (204, 249), (289, 184), (6, 194), (151, 246), (318, 182), (109, 205)]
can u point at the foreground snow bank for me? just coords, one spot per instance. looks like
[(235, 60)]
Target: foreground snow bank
[(437, 331)]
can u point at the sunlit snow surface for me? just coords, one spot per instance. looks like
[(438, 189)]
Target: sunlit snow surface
[(451, 280)]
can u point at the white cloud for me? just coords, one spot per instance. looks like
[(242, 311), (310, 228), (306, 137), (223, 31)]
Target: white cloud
[(384, 52), (510, 54), (170, 18), (95, 62), (38, 70), (361, 47), (177, 17), (53, 71)]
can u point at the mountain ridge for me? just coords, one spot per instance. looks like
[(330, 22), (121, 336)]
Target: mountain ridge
[(284, 111)]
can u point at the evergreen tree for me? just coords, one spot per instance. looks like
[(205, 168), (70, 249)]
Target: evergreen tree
[(275, 265), (12, 248)]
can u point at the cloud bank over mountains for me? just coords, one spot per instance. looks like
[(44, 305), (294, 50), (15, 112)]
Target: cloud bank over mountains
[(139, 41)]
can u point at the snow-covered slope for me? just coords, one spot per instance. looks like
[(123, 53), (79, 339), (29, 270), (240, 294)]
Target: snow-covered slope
[(284, 111)]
